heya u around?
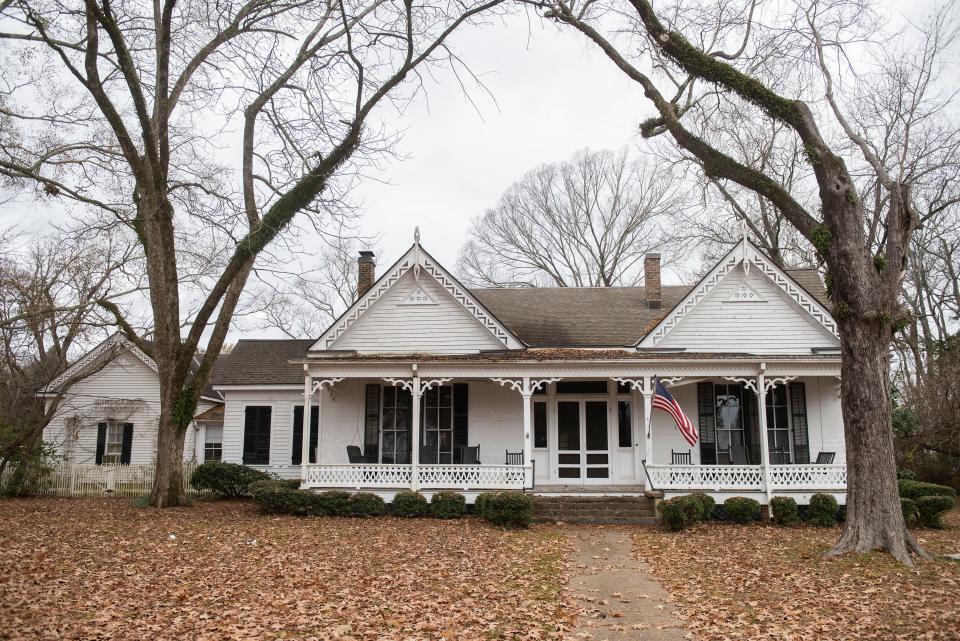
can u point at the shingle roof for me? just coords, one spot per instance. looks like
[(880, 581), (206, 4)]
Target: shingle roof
[(809, 279), (577, 316), (262, 362)]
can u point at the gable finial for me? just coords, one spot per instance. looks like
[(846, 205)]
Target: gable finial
[(416, 234), (416, 253), (745, 232)]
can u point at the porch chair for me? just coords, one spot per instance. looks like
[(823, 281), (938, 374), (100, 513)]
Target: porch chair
[(514, 458), (680, 458), (826, 458), (469, 455)]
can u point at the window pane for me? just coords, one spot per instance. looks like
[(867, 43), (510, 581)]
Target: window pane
[(568, 426), (569, 472), (446, 396), (582, 387), (624, 423), (539, 424), (596, 412), (445, 422)]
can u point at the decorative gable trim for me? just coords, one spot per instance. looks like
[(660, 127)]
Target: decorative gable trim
[(418, 297), (417, 260), (109, 348), (745, 294), (746, 253)]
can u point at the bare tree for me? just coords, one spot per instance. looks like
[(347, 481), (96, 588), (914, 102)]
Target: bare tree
[(694, 51), (586, 222), (126, 107), (48, 314)]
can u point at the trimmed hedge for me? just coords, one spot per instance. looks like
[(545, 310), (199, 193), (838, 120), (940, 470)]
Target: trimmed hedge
[(823, 510), (931, 509), (911, 513), (784, 510), (706, 503), (333, 503), (507, 509), (741, 509), (364, 504), (448, 505), (910, 489), (409, 504), (273, 498), (226, 480)]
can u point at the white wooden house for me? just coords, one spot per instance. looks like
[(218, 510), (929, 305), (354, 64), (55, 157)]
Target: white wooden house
[(108, 413), (425, 384)]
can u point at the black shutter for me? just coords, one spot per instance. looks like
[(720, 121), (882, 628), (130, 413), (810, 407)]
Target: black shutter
[(460, 412), (801, 435), (371, 424), (751, 425), (127, 444), (296, 454), (101, 441), (314, 432), (708, 436), (256, 435)]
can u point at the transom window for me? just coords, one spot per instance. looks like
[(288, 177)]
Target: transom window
[(113, 446)]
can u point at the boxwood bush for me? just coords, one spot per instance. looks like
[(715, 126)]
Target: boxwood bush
[(823, 510), (479, 505), (333, 503), (508, 509), (448, 505), (409, 504), (911, 513), (706, 503), (674, 514), (226, 480), (931, 509), (910, 489), (784, 510), (274, 498), (741, 509), (364, 504)]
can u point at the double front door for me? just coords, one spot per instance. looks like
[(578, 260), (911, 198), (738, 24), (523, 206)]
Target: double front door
[(583, 443)]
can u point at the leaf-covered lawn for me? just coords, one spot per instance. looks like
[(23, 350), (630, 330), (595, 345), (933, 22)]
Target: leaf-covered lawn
[(104, 569), (764, 582)]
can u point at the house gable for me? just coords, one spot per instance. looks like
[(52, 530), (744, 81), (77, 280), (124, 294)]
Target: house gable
[(417, 307), (108, 349), (746, 304)]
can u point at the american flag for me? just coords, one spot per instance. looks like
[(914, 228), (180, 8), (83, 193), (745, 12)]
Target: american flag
[(665, 401)]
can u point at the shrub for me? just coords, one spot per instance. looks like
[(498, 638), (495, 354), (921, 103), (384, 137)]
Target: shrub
[(916, 489), (741, 509), (823, 510), (692, 507), (332, 503), (410, 504), (931, 509), (784, 510), (673, 514), (479, 505), (280, 500), (29, 469), (706, 503), (226, 480), (448, 505), (905, 473), (365, 504), (911, 513), (509, 509)]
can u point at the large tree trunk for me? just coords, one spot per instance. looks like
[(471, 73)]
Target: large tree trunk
[(874, 519), (168, 487)]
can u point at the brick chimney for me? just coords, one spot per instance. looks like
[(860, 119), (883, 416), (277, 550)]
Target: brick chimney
[(651, 280), (366, 272)]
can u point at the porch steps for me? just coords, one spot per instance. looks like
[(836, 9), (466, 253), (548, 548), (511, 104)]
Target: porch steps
[(594, 510)]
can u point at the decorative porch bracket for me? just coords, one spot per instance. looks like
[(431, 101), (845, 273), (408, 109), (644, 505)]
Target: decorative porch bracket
[(526, 386), (417, 389), (311, 387)]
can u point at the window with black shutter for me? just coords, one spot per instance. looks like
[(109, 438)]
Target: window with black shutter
[(705, 404), (296, 453), (798, 411), (371, 423), (114, 443), (256, 434), (126, 446)]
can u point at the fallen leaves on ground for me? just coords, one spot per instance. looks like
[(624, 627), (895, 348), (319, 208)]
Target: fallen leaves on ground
[(104, 569), (762, 582)]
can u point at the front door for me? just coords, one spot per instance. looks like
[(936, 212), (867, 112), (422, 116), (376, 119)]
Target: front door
[(583, 444)]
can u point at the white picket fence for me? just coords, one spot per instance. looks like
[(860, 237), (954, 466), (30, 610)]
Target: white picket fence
[(134, 481)]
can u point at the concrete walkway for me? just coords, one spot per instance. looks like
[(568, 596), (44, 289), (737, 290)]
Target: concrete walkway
[(617, 596)]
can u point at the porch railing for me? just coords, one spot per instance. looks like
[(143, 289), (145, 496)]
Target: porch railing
[(429, 477), (722, 478)]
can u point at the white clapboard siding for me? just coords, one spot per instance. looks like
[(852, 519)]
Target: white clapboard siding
[(773, 325), (125, 378), (393, 325)]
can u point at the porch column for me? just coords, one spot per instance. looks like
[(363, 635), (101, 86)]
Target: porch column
[(647, 418), (416, 392), (527, 394), (305, 445), (764, 445)]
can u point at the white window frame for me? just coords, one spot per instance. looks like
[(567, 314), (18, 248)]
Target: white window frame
[(115, 429)]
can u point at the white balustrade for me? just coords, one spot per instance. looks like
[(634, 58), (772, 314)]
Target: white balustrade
[(363, 475), (800, 477), (431, 477)]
